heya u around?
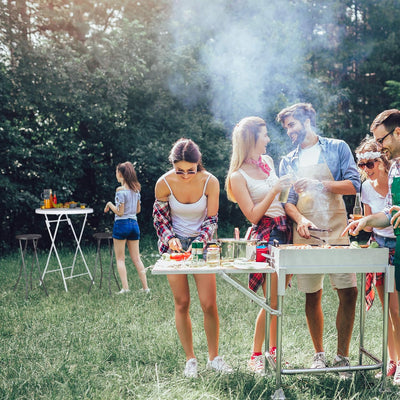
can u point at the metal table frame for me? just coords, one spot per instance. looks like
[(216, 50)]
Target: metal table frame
[(63, 215), (282, 272)]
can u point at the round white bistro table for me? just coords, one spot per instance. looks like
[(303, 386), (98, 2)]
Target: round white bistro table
[(53, 218)]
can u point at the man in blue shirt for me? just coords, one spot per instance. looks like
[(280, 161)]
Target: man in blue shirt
[(324, 170)]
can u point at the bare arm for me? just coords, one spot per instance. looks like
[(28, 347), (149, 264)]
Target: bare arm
[(337, 187), (212, 193), (118, 211), (253, 212), (378, 220)]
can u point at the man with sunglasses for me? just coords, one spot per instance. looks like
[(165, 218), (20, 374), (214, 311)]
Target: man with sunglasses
[(386, 131), (325, 170)]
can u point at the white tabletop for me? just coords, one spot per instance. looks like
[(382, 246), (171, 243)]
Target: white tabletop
[(60, 211), (164, 267)]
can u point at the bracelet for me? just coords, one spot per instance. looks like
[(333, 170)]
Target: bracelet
[(321, 186)]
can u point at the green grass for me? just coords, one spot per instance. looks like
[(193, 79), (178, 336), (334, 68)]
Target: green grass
[(94, 346)]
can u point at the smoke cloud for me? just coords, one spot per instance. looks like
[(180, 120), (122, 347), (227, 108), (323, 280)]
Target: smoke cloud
[(251, 53)]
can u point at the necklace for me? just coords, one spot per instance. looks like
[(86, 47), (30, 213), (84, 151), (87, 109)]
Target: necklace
[(259, 163)]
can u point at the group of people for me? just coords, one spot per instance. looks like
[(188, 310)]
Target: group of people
[(317, 173)]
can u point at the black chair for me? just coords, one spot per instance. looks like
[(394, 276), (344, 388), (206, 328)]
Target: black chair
[(26, 238), (108, 237)]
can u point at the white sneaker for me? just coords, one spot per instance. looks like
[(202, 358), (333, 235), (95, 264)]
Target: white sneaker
[(122, 291), (396, 377), (256, 364), (341, 361), (219, 365), (191, 368), (146, 291), (319, 361)]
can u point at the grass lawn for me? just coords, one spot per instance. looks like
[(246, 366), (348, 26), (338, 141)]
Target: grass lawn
[(94, 346)]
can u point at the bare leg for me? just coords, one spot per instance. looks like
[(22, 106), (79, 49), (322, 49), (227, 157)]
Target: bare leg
[(345, 318), (207, 290), (133, 247), (180, 289), (395, 320), (119, 249), (315, 319), (394, 324)]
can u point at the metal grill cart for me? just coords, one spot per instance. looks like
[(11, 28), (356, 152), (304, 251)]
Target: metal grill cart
[(300, 259), (291, 259)]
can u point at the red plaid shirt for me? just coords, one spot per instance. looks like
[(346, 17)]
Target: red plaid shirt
[(262, 231), (165, 232)]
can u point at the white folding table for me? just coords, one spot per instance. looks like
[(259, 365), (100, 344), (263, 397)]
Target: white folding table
[(55, 216)]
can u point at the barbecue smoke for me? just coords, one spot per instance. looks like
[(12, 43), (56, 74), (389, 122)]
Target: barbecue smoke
[(249, 54)]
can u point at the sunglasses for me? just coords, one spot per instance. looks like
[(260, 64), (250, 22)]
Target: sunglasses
[(369, 164), (190, 172)]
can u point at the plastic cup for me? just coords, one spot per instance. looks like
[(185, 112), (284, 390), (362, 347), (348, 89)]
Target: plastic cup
[(283, 196)]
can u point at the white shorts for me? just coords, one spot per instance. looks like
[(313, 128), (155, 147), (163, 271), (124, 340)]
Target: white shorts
[(311, 283)]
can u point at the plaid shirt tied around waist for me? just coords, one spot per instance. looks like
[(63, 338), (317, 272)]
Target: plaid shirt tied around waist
[(163, 224), (262, 231)]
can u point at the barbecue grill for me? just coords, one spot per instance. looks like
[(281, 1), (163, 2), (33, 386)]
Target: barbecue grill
[(302, 259), (306, 259)]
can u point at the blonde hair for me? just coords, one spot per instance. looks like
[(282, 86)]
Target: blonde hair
[(244, 138), (369, 144)]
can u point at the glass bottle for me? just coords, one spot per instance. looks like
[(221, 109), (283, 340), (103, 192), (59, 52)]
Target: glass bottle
[(357, 209)]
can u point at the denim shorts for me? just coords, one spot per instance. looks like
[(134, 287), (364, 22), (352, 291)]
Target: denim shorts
[(280, 236), (126, 229)]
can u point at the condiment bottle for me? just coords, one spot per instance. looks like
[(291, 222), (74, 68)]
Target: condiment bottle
[(54, 198), (213, 254)]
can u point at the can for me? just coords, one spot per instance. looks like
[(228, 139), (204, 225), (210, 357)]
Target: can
[(197, 250), (262, 249)]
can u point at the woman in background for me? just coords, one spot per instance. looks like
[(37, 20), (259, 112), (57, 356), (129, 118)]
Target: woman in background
[(126, 229), (254, 186), (186, 209), (374, 166)]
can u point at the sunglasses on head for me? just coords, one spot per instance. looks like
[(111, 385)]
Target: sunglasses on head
[(369, 164)]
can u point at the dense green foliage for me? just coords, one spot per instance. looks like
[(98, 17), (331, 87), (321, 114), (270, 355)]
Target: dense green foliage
[(87, 84)]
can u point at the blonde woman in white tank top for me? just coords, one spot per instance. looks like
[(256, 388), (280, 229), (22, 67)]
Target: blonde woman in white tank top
[(186, 208), (254, 186)]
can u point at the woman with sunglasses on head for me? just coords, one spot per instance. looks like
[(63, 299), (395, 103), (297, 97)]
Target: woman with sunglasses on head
[(186, 209), (374, 167), (254, 186)]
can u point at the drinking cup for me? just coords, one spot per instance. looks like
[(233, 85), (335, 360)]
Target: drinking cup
[(283, 196), (46, 194)]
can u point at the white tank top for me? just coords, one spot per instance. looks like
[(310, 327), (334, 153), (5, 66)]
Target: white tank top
[(187, 218), (259, 188)]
